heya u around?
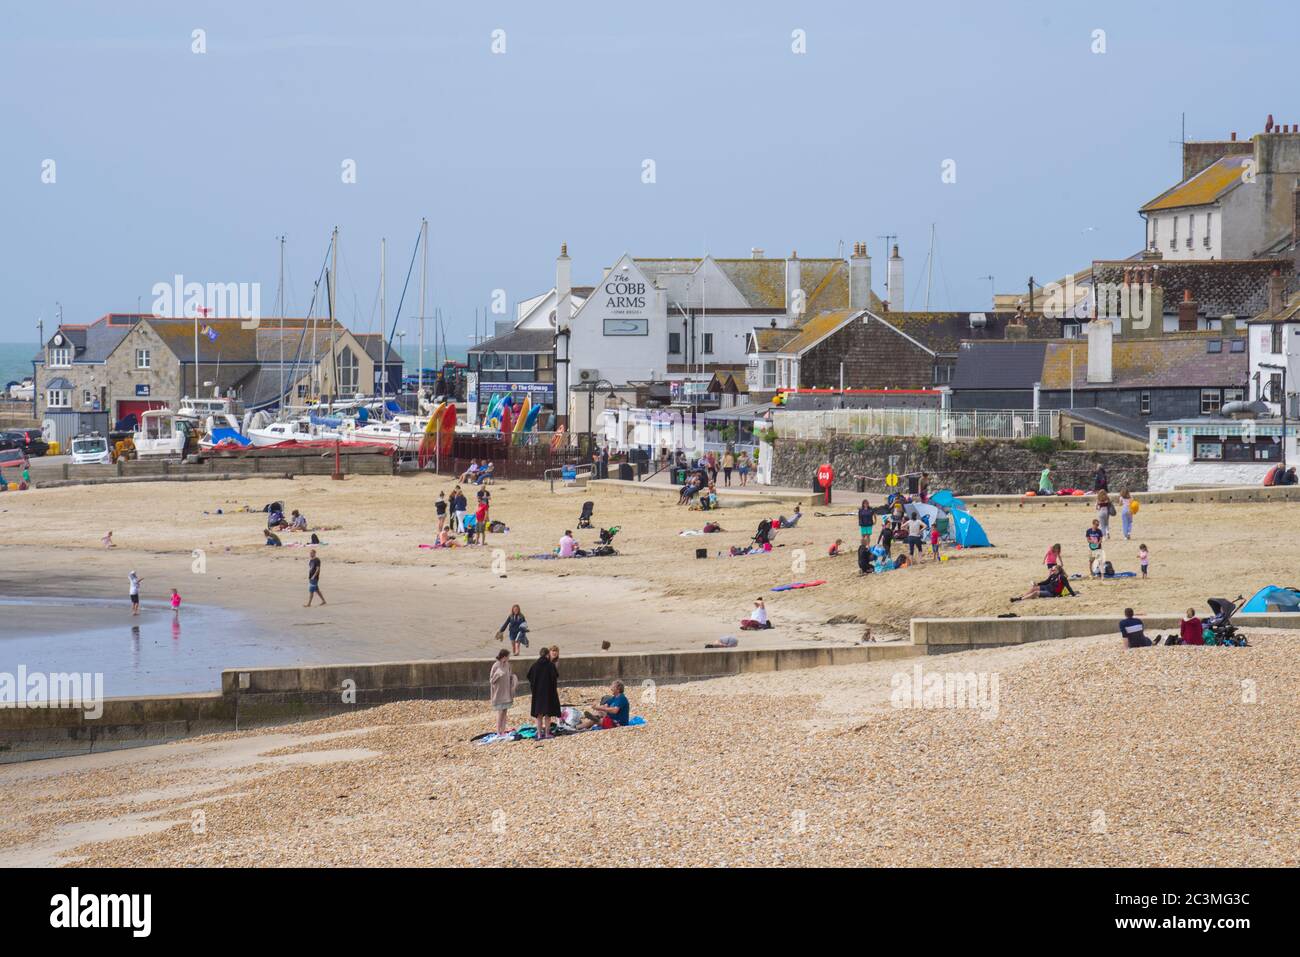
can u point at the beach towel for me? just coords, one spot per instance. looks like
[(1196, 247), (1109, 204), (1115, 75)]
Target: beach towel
[(820, 581)]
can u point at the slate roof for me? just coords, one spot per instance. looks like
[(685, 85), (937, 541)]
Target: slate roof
[(761, 282), (1220, 286), (520, 340), (1009, 364), (1204, 187), (943, 332), (94, 341), (1166, 362), (1105, 419), (373, 343)]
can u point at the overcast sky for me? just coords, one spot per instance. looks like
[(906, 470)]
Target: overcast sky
[(168, 161)]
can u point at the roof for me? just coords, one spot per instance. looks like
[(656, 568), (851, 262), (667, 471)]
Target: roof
[(58, 383), (998, 365), (519, 340), (1205, 187), (1290, 312), (1165, 362), (1219, 287), (1113, 421), (234, 343), (817, 328), (773, 340), (93, 342), (761, 282), (943, 332), (373, 343)]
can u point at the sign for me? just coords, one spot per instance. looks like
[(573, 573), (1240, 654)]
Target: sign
[(141, 388), (825, 476), (891, 480), (534, 388), (627, 327)]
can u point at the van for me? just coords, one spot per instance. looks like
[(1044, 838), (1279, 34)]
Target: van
[(91, 449)]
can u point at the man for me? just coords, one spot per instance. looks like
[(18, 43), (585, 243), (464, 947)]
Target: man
[(313, 579), (610, 713), (134, 579), (1100, 480), (568, 544), (460, 507), (1133, 632), (864, 556), (915, 529), (1096, 554), (1049, 587), (1045, 482)]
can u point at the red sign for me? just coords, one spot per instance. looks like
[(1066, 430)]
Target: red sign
[(825, 475)]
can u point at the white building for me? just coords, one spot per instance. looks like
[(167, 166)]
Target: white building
[(1273, 350), (1186, 453)]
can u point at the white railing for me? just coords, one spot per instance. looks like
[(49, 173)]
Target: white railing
[(916, 423)]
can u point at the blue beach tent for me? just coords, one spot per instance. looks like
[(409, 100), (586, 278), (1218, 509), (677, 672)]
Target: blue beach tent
[(968, 532), (945, 499), (1282, 599)]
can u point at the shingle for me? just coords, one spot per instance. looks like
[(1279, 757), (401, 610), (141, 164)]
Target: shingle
[(998, 365)]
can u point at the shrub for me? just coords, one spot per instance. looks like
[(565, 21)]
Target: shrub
[(1042, 445), (860, 445)]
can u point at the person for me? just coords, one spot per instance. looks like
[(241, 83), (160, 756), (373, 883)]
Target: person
[(272, 538), (1099, 480), (568, 544), (313, 579), (689, 489), (793, 520), (1045, 481), (864, 555), (445, 539), (923, 487), (1065, 576), (1133, 631), (1049, 587), (107, 540), (612, 712), (834, 550), (1096, 555), (742, 465), (1052, 557), (934, 543), (544, 683), (276, 520), (481, 517), (886, 537), (1190, 631), (484, 474), (915, 528), (728, 463), (440, 508), (176, 601), (711, 466), (459, 505), (516, 627), (866, 519), (134, 581), (757, 620), (299, 523), (1104, 511), (469, 473), (1126, 513), (469, 524), (502, 683), (1144, 558)]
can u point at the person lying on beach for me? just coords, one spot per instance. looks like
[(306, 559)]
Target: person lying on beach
[(726, 641), (611, 712), (299, 523)]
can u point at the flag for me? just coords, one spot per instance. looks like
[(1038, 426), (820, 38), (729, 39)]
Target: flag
[(210, 333)]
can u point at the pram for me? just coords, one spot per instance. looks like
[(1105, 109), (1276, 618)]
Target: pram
[(1218, 629), (584, 520), (764, 533), (606, 547)]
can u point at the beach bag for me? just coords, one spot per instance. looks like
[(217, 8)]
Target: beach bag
[(501, 635), (1110, 508), (1108, 571)]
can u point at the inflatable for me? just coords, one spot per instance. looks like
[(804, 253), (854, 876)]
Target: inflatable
[(557, 439), (507, 421), (521, 419)]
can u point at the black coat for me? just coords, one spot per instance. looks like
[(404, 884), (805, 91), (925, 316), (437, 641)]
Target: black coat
[(544, 682)]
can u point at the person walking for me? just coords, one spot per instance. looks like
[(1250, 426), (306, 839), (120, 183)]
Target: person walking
[(501, 688), (1104, 511), (1126, 512), (1100, 483), (134, 582), (313, 579), (516, 628), (544, 683), (728, 463), (742, 464)]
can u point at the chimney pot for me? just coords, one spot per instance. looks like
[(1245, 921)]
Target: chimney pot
[(1234, 136), (564, 249)]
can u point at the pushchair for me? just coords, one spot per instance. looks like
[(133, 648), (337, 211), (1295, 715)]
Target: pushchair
[(1219, 629), (764, 533), (584, 520), (606, 546)]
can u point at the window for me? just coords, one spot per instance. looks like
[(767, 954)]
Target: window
[(1213, 345), (674, 343), (87, 397), (942, 373), (1234, 395), (1079, 433), (1070, 330), (58, 398), (707, 347), (61, 357), (519, 363), (1144, 403), (1211, 401), (1173, 239), (769, 373), (1275, 343), (1208, 451), (347, 371), (1236, 345), (1274, 387), (1191, 229), (142, 359)]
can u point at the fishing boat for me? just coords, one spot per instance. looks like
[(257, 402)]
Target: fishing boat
[(164, 432), (298, 429)]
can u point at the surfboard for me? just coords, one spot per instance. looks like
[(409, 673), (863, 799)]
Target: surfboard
[(557, 439), (521, 419), (429, 441), (507, 420), (447, 431)]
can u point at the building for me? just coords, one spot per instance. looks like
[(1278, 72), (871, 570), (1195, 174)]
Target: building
[(1273, 350), (520, 362), (1216, 451)]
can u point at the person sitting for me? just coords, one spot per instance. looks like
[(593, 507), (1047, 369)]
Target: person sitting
[(444, 539), (834, 550), (1133, 631), (469, 474), (864, 556), (793, 520), (1190, 629), (612, 712), (299, 523), (485, 475), (1050, 587), (470, 527), (276, 520), (568, 545), (689, 491), (272, 538), (758, 618)]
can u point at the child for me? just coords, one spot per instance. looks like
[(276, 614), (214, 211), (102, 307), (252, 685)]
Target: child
[(934, 543), (1143, 558), (176, 601), (108, 540), (835, 549)]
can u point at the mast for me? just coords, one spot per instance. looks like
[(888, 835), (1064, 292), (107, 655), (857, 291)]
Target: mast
[(929, 272), (334, 272), (383, 311), (424, 273), (281, 402)]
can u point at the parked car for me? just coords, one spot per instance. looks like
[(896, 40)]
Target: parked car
[(91, 449), (29, 440)]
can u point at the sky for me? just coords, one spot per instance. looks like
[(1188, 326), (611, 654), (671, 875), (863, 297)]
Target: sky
[(515, 126)]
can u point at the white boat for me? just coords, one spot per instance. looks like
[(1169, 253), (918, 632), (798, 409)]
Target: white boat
[(163, 432), (300, 429), (403, 432)]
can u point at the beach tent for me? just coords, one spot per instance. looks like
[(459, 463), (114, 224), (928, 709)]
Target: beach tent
[(1281, 599), (945, 499), (968, 532), (927, 513)]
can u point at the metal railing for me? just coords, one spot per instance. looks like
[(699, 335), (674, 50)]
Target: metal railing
[(916, 423)]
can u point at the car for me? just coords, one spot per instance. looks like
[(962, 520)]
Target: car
[(91, 449), (29, 440)]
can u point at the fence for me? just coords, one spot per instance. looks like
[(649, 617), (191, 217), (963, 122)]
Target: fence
[(946, 426), (528, 458)]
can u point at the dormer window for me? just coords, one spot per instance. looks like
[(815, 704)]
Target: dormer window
[(60, 357)]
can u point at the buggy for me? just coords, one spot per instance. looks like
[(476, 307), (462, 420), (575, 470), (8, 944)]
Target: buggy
[(764, 533), (1219, 629), (584, 520), (606, 547)]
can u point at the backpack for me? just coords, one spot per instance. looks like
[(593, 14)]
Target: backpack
[(1108, 571)]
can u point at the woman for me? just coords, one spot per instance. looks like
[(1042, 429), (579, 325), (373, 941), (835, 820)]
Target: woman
[(502, 684), (544, 682), (728, 463), (866, 519), (757, 619), (440, 508), (711, 466), (1126, 512), (517, 627), (742, 464), (1104, 511), (1190, 630)]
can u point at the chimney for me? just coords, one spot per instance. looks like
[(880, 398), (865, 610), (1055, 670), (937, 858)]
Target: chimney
[(1187, 313), (1275, 286), (563, 286), (859, 277), (1234, 136), (794, 295), (1228, 324), (756, 252), (894, 280), (1101, 335), (1016, 328)]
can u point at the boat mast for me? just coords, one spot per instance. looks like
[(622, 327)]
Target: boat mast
[(333, 283), (424, 274), (383, 307), (281, 402), (929, 274)]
